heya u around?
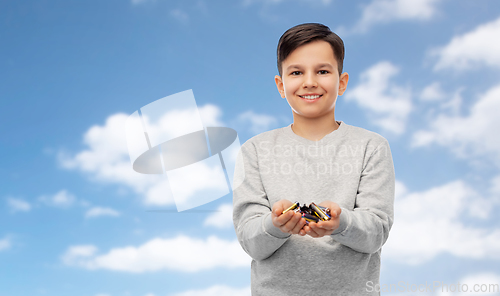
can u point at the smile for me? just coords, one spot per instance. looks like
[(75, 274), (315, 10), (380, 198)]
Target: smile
[(311, 98)]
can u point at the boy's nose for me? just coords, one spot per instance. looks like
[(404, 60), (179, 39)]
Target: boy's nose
[(310, 81)]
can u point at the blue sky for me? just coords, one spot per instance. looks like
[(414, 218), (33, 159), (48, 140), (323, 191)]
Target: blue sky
[(424, 74)]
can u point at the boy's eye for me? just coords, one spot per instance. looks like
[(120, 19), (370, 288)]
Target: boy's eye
[(295, 73)]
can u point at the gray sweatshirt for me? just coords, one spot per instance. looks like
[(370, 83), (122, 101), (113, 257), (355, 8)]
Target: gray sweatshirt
[(352, 167)]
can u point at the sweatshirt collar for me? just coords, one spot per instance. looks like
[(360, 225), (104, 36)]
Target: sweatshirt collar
[(339, 132)]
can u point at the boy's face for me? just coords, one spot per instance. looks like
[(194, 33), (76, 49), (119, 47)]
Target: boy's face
[(311, 69)]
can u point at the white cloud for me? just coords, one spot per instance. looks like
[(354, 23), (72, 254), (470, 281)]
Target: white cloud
[(217, 290), (76, 255), (468, 136), (181, 253), (18, 205), (258, 122), (432, 92), (62, 199), (495, 185), (439, 102), (475, 285), (387, 11), (223, 218), (5, 244), (106, 157), (210, 115), (453, 105), (478, 47), (388, 104), (430, 223), (100, 211)]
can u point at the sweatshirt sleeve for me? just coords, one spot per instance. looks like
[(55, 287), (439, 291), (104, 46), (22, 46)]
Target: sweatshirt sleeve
[(251, 209), (366, 228)]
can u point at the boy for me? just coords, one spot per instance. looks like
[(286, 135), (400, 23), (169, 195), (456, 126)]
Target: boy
[(315, 159)]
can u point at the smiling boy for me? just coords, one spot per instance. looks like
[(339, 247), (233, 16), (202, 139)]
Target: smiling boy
[(314, 159)]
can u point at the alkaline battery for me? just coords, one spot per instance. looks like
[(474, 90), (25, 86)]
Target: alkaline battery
[(306, 209), (294, 208), (325, 209), (319, 212), (310, 218)]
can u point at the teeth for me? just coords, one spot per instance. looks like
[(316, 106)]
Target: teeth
[(310, 97)]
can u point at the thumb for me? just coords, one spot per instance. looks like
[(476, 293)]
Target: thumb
[(337, 212)]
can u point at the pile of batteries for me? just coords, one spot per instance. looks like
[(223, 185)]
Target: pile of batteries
[(311, 213)]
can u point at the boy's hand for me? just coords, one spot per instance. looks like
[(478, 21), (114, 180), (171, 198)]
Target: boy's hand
[(323, 228), (290, 222)]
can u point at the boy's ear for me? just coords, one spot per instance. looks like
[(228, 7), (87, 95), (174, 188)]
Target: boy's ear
[(344, 78), (279, 85)]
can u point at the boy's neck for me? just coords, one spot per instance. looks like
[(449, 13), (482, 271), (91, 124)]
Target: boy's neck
[(314, 129)]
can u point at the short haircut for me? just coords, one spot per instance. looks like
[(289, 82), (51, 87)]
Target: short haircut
[(306, 33)]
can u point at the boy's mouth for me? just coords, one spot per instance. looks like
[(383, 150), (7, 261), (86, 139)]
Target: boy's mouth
[(311, 97)]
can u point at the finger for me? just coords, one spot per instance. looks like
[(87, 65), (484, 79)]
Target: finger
[(327, 225), (276, 222), (319, 231), (336, 211), (285, 218), (284, 204), (273, 214), (282, 219), (278, 208), (330, 228), (306, 228), (311, 232), (334, 208), (331, 224), (292, 223), (298, 226)]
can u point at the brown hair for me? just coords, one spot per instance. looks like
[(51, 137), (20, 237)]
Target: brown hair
[(306, 33)]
